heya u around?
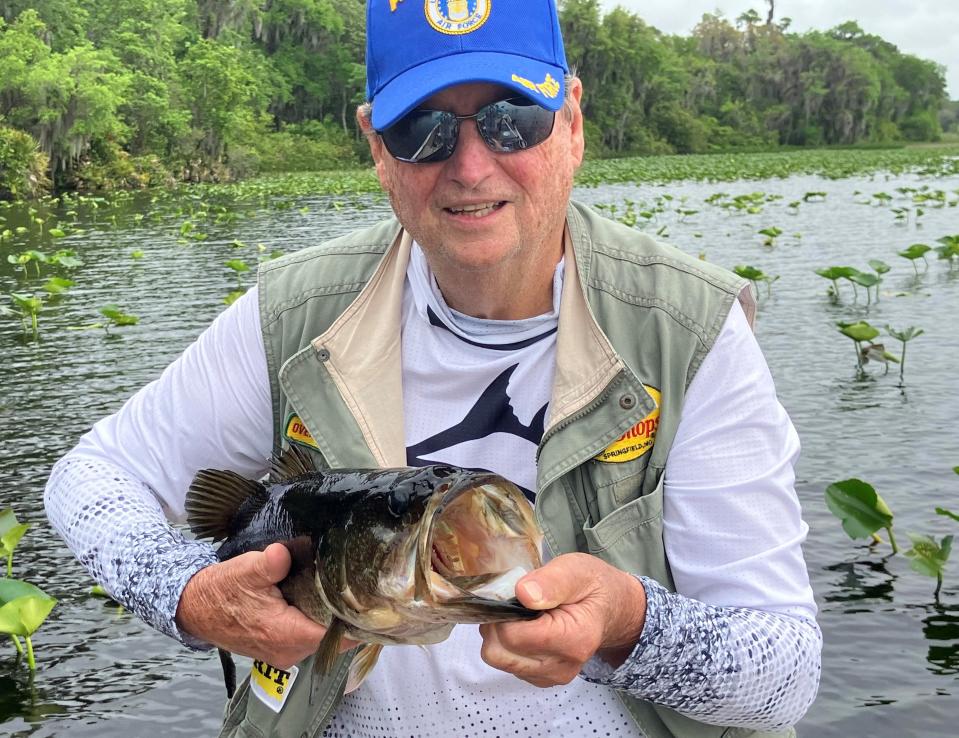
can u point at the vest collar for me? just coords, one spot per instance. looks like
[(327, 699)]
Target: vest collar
[(362, 348), (362, 355)]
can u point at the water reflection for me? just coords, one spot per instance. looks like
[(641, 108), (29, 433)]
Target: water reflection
[(21, 698), (941, 627), (862, 581), (859, 392)]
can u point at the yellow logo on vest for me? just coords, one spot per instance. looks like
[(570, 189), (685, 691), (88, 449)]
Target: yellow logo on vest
[(549, 87), (456, 17), (296, 431), (271, 685), (393, 4), (638, 440)]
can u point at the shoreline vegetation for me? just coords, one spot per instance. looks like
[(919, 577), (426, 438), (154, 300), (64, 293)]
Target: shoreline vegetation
[(132, 94), (59, 214)]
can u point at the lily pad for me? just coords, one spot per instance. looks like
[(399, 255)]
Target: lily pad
[(859, 507), (23, 607)]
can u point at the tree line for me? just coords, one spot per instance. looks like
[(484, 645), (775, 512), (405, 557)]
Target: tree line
[(127, 93)]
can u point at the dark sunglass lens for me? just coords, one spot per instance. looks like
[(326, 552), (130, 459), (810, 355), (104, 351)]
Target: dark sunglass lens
[(515, 124), (422, 136)]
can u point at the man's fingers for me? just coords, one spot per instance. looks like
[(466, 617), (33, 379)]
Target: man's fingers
[(274, 563), (540, 670), (558, 582)]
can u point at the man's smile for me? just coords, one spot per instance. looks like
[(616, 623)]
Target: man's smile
[(476, 210)]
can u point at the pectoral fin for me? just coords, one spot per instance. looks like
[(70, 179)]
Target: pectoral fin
[(329, 649), (362, 665)]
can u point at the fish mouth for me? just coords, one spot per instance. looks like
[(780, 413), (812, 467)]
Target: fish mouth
[(480, 538)]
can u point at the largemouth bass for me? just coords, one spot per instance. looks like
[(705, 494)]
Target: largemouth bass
[(383, 556)]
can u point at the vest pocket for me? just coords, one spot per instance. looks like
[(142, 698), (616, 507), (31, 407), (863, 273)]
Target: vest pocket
[(300, 715), (631, 536)]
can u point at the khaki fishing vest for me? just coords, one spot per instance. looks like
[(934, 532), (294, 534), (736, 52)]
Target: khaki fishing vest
[(636, 320)]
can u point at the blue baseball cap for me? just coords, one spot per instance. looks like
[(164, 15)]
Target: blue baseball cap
[(415, 48)]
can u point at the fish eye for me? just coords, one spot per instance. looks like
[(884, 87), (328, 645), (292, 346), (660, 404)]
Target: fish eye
[(398, 501)]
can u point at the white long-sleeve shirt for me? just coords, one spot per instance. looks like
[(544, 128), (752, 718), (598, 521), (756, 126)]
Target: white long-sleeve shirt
[(739, 627)]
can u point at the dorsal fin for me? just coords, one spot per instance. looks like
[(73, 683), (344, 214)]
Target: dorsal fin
[(219, 503), (292, 462)]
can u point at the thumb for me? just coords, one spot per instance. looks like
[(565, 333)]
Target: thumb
[(562, 580), (273, 564)]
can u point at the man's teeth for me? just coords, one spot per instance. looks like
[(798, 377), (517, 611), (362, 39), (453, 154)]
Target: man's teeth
[(476, 211)]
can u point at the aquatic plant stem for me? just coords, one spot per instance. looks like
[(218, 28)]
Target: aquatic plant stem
[(892, 540), (31, 662), (10, 566), (16, 642), (902, 363)]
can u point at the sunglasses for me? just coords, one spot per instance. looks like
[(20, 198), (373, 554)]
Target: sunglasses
[(424, 136)]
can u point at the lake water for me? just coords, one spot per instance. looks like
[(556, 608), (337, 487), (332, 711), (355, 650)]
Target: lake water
[(891, 658)]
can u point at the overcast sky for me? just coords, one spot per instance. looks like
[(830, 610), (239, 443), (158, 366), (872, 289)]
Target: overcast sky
[(926, 28)]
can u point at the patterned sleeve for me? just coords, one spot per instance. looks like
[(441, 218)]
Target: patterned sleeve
[(721, 665), (115, 527), (111, 496)]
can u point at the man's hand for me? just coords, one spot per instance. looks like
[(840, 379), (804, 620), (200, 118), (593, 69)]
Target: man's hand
[(236, 606), (589, 607)]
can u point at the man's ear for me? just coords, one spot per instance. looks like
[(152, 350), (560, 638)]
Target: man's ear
[(578, 139)]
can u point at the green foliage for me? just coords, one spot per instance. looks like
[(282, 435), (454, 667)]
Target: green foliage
[(11, 531), (22, 165), (755, 276), (858, 331), (929, 557), (133, 93), (914, 252), (288, 151), (67, 100), (904, 337), (27, 308), (23, 606), (879, 266), (949, 250), (860, 508), (57, 285), (117, 317)]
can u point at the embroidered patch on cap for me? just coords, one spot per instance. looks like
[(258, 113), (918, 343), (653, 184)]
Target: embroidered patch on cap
[(456, 17), (271, 685), (549, 87), (297, 432), (638, 440)]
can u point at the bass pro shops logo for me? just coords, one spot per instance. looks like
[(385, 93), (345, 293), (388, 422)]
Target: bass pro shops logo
[(296, 431), (456, 17), (638, 440)]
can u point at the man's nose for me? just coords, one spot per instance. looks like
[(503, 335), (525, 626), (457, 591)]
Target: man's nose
[(472, 161)]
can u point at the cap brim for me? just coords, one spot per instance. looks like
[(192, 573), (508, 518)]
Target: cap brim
[(542, 83)]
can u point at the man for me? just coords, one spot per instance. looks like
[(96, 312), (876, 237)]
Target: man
[(494, 325)]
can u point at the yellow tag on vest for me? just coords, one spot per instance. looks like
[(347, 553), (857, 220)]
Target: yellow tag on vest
[(296, 431), (638, 440), (271, 685)]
